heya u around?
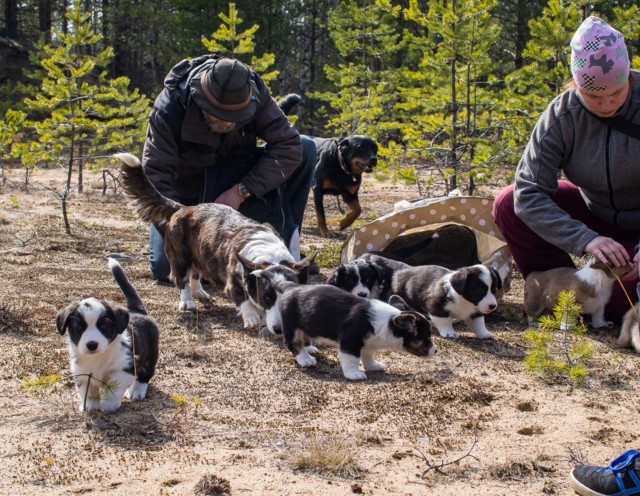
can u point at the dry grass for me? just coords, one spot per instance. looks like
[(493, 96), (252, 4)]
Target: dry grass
[(232, 402), (328, 455)]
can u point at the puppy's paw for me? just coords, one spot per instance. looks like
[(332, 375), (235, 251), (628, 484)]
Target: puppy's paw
[(448, 333), (373, 366), (598, 323), (305, 360), (311, 349), (355, 375), (136, 391), (92, 406), (484, 335), (111, 405), (187, 305), (251, 316)]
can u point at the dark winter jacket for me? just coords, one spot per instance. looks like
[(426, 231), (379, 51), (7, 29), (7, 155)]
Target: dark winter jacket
[(603, 162), (179, 144)]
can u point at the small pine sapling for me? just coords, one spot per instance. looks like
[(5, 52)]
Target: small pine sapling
[(555, 351)]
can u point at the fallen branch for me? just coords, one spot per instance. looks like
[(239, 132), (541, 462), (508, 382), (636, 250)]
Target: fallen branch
[(439, 466)]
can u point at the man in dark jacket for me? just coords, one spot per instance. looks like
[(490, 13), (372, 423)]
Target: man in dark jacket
[(201, 146)]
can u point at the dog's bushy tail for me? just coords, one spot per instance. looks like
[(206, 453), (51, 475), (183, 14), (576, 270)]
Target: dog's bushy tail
[(149, 202), (134, 303), (288, 102)]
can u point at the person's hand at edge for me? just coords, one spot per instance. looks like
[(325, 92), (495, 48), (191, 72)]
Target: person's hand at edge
[(231, 198)]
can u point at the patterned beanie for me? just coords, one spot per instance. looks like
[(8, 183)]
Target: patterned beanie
[(599, 58)]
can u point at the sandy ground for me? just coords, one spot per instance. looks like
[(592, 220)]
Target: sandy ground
[(230, 409)]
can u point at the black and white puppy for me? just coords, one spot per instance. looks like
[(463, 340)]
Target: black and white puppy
[(467, 293), (368, 276), (113, 350), (358, 277), (359, 327)]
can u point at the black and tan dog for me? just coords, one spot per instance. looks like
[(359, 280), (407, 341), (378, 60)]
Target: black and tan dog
[(339, 172)]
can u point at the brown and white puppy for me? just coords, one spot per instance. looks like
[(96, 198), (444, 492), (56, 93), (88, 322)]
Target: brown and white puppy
[(205, 239), (629, 332), (592, 285), (468, 294), (110, 344), (339, 171)]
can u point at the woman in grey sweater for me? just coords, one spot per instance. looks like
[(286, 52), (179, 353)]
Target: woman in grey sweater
[(596, 208)]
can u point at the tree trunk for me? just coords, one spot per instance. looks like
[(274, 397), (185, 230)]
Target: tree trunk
[(44, 17), (11, 18)]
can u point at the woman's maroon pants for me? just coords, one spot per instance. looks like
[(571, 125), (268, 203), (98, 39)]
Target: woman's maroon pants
[(532, 253)]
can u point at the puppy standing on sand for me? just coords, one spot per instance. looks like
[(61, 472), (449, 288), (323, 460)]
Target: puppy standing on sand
[(110, 344), (206, 238), (468, 293), (592, 285), (359, 327)]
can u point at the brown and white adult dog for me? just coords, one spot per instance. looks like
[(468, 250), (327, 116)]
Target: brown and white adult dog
[(206, 238), (592, 285)]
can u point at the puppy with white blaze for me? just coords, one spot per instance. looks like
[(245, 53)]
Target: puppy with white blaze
[(468, 293), (110, 345), (359, 327)]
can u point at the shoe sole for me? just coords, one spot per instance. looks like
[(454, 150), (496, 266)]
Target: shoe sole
[(581, 489)]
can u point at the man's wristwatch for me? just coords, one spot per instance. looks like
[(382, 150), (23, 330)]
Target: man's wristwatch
[(243, 191)]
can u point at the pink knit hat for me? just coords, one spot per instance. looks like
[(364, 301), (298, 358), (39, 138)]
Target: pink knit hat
[(599, 58)]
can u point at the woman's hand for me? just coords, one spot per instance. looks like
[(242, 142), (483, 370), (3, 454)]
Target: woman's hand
[(630, 276), (608, 250)]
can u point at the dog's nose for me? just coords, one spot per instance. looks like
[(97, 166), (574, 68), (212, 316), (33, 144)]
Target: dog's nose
[(363, 294), (92, 345), (373, 161), (492, 307)]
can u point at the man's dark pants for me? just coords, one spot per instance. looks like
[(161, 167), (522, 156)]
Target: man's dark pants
[(283, 208)]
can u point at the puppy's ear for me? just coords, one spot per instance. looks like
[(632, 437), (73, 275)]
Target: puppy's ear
[(459, 280), (121, 315), (397, 302), (497, 280), (302, 267), (62, 319), (334, 279), (248, 265), (407, 322)]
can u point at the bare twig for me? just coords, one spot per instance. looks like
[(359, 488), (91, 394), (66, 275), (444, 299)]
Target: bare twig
[(439, 466)]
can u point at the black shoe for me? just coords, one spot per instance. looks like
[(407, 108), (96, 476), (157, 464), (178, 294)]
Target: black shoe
[(620, 478)]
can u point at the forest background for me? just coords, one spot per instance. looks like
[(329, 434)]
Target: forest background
[(450, 89)]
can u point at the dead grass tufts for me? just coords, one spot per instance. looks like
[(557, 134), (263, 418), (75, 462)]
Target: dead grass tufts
[(327, 455), (14, 318), (519, 471), (212, 485)]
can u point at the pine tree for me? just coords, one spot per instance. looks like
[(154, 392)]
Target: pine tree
[(453, 110), (85, 115), (227, 41)]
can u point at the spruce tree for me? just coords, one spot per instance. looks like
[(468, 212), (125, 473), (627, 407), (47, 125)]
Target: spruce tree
[(227, 41), (85, 116)]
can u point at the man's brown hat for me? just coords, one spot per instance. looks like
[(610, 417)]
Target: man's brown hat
[(223, 90)]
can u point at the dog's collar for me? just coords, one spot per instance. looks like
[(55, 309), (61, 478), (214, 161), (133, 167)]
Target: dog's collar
[(341, 162)]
